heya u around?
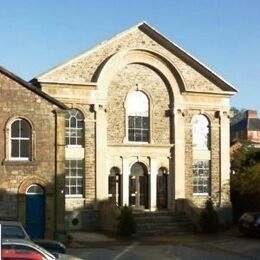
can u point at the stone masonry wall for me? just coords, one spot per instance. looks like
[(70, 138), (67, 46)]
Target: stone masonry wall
[(214, 159), (135, 76), (82, 69), (15, 101)]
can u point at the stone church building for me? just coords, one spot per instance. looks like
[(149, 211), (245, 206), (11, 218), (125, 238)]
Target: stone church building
[(136, 120)]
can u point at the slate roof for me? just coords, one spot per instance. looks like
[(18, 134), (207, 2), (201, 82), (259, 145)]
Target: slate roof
[(251, 124)]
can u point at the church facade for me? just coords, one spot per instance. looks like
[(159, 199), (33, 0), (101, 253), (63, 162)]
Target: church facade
[(145, 124)]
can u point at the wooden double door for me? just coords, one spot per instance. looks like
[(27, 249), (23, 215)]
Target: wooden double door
[(138, 186)]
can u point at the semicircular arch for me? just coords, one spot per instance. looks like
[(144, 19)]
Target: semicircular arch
[(155, 61), (28, 181)]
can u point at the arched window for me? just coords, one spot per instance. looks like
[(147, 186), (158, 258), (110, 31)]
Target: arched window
[(200, 132), (138, 117), (74, 127), (35, 189), (20, 140)]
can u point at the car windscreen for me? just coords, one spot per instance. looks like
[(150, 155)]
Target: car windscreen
[(9, 231)]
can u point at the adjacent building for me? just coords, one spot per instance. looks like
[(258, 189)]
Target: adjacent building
[(247, 129), (32, 161)]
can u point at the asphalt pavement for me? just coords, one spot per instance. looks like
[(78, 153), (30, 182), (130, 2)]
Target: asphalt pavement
[(223, 245)]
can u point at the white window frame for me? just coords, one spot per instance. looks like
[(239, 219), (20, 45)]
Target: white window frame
[(20, 139), (68, 176), (200, 132), (204, 177), (68, 130), (138, 114)]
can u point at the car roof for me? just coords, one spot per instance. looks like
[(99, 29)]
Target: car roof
[(11, 223), (17, 241)]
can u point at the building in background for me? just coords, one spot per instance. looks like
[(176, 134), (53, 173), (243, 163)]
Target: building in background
[(247, 129)]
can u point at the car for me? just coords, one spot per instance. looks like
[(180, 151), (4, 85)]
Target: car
[(249, 223), (14, 229), (24, 249), (11, 254), (51, 245)]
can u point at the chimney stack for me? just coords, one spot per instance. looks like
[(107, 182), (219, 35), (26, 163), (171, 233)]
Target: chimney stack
[(251, 114)]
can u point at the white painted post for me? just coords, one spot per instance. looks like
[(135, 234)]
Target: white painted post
[(153, 185), (125, 182)]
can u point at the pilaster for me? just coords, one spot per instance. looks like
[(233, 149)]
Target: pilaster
[(179, 154), (60, 173), (101, 152), (125, 182), (153, 184)]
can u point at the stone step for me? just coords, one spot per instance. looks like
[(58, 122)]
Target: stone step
[(151, 223)]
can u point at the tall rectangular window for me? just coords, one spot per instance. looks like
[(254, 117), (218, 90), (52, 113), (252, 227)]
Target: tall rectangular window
[(138, 128), (138, 117), (201, 177), (74, 170)]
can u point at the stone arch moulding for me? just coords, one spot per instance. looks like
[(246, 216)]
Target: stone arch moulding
[(160, 64), (26, 182), (203, 113), (146, 164), (11, 119)]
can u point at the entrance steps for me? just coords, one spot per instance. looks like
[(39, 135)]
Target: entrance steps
[(162, 222)]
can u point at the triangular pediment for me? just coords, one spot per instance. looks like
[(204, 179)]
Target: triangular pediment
[(81, 69)]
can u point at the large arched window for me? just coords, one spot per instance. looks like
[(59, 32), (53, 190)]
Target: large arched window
[(74, 127), (20, 140), (200, 132), (138, 117)]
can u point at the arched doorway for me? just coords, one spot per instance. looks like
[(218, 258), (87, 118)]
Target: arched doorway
[(114, 186), (162, 190), (138, 186), (35, 211)]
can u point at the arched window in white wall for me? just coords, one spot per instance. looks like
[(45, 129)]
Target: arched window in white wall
[(138, 117), (74, 127), (20, 140), (200, 132)]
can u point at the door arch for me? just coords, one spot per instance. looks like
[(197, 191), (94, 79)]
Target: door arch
[(162, 188), (138, 186), (35, 211)]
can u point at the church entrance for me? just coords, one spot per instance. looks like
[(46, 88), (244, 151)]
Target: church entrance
[(138, 186)]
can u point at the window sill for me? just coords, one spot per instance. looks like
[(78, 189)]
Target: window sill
[(74, 197), (202, 195), (18, 162)]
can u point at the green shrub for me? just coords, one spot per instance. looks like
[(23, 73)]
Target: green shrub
[(126, 222), (209, 221)]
